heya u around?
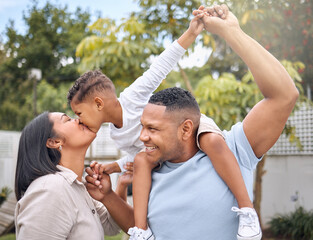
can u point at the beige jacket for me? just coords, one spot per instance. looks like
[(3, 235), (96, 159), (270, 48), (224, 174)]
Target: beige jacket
[(57, 206)]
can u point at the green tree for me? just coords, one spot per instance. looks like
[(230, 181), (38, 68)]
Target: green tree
[(167, 20), (52, 34), (119, 50), (284, 27), (122, 50)]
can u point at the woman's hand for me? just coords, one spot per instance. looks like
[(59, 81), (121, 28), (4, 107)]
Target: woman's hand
[(98, 188)]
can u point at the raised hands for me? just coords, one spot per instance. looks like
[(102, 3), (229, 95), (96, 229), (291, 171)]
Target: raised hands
[(217, 19)]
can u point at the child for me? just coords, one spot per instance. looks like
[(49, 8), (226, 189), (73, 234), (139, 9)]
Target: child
[(94, 101)]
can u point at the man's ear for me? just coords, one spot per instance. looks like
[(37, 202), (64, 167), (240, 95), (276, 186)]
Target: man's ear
[(53, 143), (99, 102), (187, 129)]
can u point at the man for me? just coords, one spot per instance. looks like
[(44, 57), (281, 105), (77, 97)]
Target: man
[(188, 200)]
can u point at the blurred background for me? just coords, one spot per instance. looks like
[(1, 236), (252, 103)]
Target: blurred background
[(46, 45)]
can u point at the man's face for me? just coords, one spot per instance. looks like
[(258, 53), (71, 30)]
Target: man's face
[(161, 134)]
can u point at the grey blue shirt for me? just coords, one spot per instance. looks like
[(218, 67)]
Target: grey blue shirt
[(190, 201)]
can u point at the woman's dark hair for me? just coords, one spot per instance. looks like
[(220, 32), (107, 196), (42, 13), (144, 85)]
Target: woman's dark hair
[(34, 158)]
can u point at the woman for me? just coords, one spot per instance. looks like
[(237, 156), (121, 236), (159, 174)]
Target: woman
[(53, 202)]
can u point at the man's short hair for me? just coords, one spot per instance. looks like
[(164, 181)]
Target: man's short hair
[(180, 101), (89, 83), (175, 99)]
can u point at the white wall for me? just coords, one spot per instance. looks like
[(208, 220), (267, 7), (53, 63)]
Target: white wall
[(285, 177), (8, 154)]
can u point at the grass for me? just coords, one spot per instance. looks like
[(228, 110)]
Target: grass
[(12, 237), (8, 237)]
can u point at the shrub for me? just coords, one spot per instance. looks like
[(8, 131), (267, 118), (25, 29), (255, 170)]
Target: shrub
[(5, 191), (296, 225)]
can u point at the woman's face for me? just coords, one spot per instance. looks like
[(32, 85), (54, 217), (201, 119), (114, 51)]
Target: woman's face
[(74, 134)]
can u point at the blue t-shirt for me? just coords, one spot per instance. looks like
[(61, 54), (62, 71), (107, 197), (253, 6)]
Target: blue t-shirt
[(190, 201)]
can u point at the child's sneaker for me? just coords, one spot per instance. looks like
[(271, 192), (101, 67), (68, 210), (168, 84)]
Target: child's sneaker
[(140, 234), (249, 226)]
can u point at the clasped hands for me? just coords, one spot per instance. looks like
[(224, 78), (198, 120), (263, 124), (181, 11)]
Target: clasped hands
[(98, 183)]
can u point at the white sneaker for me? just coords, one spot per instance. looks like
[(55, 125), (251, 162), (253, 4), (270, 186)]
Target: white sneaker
[(140, 234), (249, 226)]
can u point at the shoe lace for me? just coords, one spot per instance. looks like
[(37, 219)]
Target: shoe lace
[(247, 219), (132, 232)]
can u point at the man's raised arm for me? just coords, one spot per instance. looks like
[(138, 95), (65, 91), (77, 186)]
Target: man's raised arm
[(265, 122)]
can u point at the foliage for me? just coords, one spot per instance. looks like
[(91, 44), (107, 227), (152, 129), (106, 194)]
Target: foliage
[(117, 237), (284, 27), (122, 51), (228, 100), (49, 44), (119, 50), (5, 192), (8, 237), (52, 98), (297, 225), (169, 19)]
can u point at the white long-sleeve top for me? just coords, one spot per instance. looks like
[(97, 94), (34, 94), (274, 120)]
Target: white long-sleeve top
[(134, 98)]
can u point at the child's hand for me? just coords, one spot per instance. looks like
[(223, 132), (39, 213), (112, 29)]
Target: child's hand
[(109, 168), (216, 11), (196, 25), (220, 11), (218, 19), (129, 167), (127, 177)]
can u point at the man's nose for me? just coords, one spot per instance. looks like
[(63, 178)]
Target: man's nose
[(144, 136)]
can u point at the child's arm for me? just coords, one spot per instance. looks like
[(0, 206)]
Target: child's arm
[(194, 29), (109, 168), (113, 167), (144, 86)]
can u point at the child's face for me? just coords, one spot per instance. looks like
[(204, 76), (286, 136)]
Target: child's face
[(88, 114)]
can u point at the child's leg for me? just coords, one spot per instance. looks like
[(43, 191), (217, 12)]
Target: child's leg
[(226, 165), (141, 189)]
